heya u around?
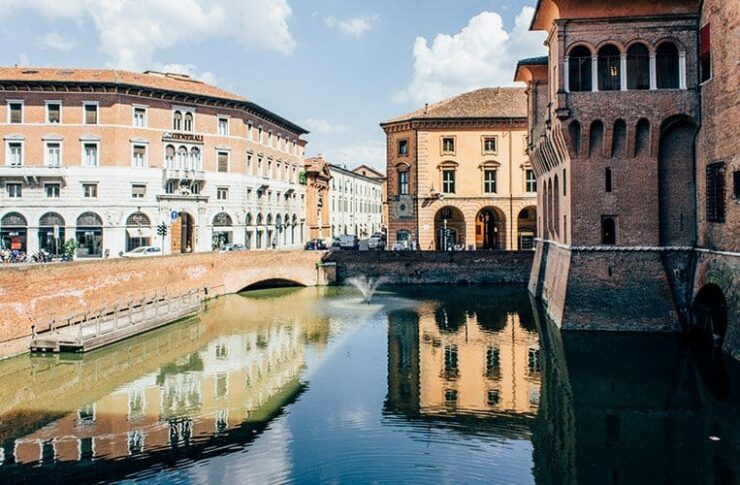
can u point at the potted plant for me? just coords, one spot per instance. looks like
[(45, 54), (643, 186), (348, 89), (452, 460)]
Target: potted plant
[(70, 250)]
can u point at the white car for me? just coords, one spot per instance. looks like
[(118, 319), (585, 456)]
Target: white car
[(143, 252)]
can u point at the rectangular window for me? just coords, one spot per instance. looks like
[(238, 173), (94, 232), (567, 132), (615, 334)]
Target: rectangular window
[(531, 181), (15, 112), (259, 135), (90, 155), (489, 181), (53, 154), (250, 132), (249, 164), (52, 190), (448, 144), (91, 114), (223, 162), (14, 191), (448, 181), (736, 184), (490, 144), (403, 183), (223, 126), (139, 117), (139, 156), (705, 56), (53, 112), (608, 179), (716, 192), (403, 148), (138, 191), (565, 182), (90, 191), (222, 193), (15, 154)]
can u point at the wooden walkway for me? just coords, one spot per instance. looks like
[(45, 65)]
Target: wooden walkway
[(92, 330)]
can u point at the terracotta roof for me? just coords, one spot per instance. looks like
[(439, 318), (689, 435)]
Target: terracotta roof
[(533, 61), (375, 173), (482, 103), (150, 79)]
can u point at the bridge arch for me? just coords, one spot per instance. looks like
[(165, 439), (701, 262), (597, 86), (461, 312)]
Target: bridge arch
[(709, 313)]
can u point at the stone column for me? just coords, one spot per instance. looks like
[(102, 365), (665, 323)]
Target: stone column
[(681, 70), (566, 74), (623, 72), (653, 72), (594, 73)]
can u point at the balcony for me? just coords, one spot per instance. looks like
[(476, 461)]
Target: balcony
[(33, 174), (182, 174)]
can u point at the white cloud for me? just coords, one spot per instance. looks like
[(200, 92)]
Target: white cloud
[(190, 70), (355, 26), (370, 153), (56, 41), (132, 31), (23, 59), (481, 54), (319, 125)]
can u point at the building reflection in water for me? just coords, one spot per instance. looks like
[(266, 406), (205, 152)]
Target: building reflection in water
[(236, 366)]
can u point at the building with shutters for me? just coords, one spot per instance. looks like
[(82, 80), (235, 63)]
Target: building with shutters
[(105, 156), (458, 174)]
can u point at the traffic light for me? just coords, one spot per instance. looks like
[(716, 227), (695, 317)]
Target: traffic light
[(162, 229)]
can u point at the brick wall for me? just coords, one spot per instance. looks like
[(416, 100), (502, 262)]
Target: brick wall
[(436, 267), (36, 294)]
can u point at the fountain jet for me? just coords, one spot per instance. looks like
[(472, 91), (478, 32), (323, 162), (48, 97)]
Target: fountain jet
[(366, 286)]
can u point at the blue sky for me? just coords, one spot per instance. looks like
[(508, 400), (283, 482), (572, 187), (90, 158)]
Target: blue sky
[(337, 67)]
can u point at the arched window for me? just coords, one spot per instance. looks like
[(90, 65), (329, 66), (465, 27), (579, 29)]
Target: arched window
[(666, 66), (169, 155), (195, 158), (638, 67), (619, 139), (222, 219), (608, 231), (579, 69), (177, 121), (269, 219), (248, 220), (182, 156), (596, 139), (89, 219), (574, 131), (188, 122), (259, 219), (642, 137), (609, 68), (138, 219), (51, 219)]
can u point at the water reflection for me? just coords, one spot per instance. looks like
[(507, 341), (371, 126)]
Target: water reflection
[(426, 384)]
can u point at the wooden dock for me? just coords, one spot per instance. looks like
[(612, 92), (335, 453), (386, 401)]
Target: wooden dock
[(92, 330)]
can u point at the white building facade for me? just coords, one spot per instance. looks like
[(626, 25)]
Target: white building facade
[(104, 157), (356, 203)]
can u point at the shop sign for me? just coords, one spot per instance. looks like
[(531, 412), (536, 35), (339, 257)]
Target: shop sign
[(187, 137)]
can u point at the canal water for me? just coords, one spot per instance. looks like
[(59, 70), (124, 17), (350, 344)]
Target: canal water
[(422, 385)]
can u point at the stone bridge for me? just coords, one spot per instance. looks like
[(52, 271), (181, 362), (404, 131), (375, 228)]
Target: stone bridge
[(36, 294)]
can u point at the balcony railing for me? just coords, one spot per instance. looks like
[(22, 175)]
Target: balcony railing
[(32, 171), (182, 174)]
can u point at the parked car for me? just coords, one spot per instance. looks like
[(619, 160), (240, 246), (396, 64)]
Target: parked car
[(375, 242), (348, 241), (400, 246), (315, 245), (231, 247), (143, 252)]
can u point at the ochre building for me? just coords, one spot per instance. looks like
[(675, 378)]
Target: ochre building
[(458, 174)]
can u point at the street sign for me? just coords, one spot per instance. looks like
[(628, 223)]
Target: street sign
[(174, 215)]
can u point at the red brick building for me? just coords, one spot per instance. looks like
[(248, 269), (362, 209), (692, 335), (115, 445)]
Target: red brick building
[(629, 137)]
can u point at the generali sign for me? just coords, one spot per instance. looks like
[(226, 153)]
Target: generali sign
[(189, 137)]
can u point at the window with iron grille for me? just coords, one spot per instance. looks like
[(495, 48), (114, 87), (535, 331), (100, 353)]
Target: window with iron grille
[(716, 192)]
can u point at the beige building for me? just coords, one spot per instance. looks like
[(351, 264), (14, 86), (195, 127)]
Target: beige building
[(458, 175)]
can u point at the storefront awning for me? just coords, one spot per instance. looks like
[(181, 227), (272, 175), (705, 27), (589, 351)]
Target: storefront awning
[(139, 232)]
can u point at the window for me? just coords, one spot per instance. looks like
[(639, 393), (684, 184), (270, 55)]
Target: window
[(15, 112), (52, 191), (608, 230), (403, 148), (666, 66), (53, 112), (403, 183), (188, 122), (90, 154), (139, 117), (223, 162), (716, 192), (493, 397), (489, 144), (705, 56), (90, 191), (736, 184), (53, 154), (493, 361), (489, 181), (638, 67), (91, 113), (15, 154), (139, 156), (608, 179), (448, 181), (223, 126), (448, 145), (609, 68), (138, 191), (531, 181), (250, 132), (222, 193), (177, 121), (249, 163), (451, 359), (259, 135), (579, 69), (13, 191)]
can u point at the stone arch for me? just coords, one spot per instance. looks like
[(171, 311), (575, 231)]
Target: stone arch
[(619, 139), (638, 66), (449, 228), (667, 70), (14, 231), (138, 231), (709, 314), (609, 67), (589, 47), (596, 139), (579, 67), (526, 227), (642, 138), (272, 283), (490, 228), (676, 182)]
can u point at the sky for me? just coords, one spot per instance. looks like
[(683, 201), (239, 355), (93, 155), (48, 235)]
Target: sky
[(336, 67)]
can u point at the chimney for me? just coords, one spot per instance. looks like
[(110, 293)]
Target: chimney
[(426, 108)]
